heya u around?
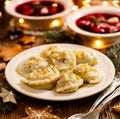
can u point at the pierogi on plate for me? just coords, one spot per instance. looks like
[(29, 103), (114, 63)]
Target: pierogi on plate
[(68, 82), (43, 78), (89, 73), (64, 69), (62, 59), (27, 66), (85, 56)]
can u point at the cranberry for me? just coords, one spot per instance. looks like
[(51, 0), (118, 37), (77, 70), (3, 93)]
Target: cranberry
[(36, 2), (101, 17), (118, 26), (53, 10), (84, 22), (89, 17), (28, 12), (26, 6), (99, 23), (97, 29), (112, 29)]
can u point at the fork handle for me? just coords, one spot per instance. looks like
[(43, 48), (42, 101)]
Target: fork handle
[(111, 96), (104, 94)]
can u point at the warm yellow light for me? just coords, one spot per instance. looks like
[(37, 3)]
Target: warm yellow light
[(84, 3), (87, 5), (54, 5), (75, 7), (0, 14), (21, 20), (88, 0), (55, 23), (105, 3), (115, 3), (7, 2), (98, 44)]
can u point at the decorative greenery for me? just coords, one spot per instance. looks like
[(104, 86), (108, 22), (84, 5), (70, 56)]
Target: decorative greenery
[(59, 35), (6, 107), (95, 19), (114, 54)]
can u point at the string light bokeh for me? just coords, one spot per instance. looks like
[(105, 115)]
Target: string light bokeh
[(76, 4), (89, 3)]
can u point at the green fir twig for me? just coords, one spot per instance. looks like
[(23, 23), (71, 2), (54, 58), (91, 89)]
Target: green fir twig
[(114, 54), (59, 35)]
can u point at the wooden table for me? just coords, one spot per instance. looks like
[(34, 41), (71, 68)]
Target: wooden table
[(64, 109)]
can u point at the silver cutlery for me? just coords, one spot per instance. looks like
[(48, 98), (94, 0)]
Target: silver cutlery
[(96, 112), (115, 83)]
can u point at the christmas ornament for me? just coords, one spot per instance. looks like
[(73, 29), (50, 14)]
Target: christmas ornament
[(7, 96), (7, 100), (8, 53), (44, 113)]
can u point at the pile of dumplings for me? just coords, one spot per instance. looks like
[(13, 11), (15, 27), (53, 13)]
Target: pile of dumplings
[(66, 70)]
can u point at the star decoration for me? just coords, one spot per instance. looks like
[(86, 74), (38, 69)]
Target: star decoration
[(28, 39), (44, 113), (7, 53), (7, 96)]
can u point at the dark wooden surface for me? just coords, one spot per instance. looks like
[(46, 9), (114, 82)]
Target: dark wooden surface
[(64, 109)]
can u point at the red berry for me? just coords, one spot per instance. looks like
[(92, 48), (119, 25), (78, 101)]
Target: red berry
[(97, 29), (118, 26), (101, 17), (26, 7), (27, 12), (84, 22), (89, 17)]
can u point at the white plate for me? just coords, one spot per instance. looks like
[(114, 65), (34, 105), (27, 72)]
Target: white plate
[(14, 78)]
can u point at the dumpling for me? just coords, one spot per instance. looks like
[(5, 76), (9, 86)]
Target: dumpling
[(46, 53), (62, 59), (89, 73), (68, 82), (43, 78), (25, 67), (44, 73), (85, 56)]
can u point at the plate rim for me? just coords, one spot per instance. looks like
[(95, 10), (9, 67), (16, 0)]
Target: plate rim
[(56, 99)]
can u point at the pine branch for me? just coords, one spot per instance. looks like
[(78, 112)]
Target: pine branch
[(59, 35), (6, 107), (114, 54)]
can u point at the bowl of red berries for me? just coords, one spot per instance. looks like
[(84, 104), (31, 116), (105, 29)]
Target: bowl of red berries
[(38, 13), (96, 23)]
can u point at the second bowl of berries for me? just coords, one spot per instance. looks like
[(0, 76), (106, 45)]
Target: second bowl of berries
[(96, 22)]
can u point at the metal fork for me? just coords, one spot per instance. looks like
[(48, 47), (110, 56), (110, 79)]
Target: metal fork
[(96, 112), (115, 83)]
